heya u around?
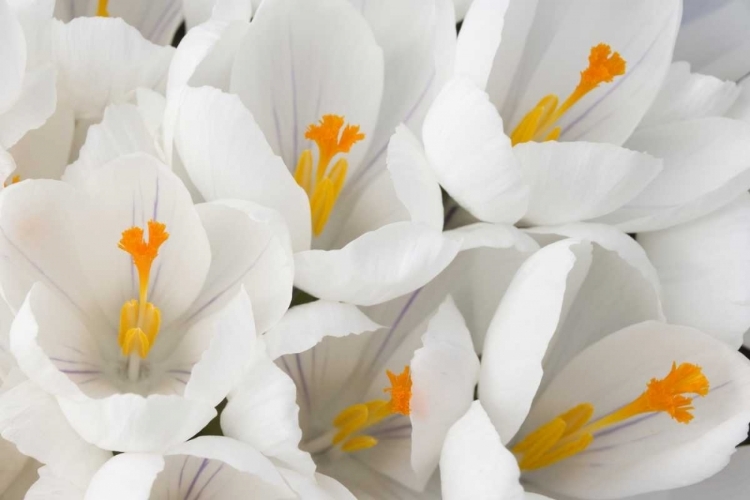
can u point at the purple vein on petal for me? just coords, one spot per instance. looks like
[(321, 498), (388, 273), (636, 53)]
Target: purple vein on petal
[(202, 467)]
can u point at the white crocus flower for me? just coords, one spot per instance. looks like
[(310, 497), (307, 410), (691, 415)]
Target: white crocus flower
[(713, 38), (596, 403), (137, 343), (27, 90), (157, 20), (373, 407), (205, 467)]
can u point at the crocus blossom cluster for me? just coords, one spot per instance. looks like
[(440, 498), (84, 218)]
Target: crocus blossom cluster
[(347, 249)]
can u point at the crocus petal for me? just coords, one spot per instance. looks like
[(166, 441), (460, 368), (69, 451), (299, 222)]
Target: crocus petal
[(319, 487), (52, 485), (479, 39), (247, 251), (444, 374), (227, 156), (289, 75), (471, 156), (702, 265), (12, 56), (122, 131), (199, 11), (570, 182), (406, 30), (378, 266), (129, 192), (687, 95), (607, 237), (415, 184), (262, 411), (548, 56), (128, 476), (706, 166), (100, 61), (475, 464), (302, 327), (34, 105), (652, 452), (726, 56)]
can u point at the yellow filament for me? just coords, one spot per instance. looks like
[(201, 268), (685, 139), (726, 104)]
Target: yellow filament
[(324, 189), (101, 9), (139, 319), (360, 417), (539, 123), (571, 433)]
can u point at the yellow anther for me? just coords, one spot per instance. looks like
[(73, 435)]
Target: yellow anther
[(539, 123), (101, 9), (359, 417), (13, 180), (324, 189), (571, 433), (139, 319), (359, 443)]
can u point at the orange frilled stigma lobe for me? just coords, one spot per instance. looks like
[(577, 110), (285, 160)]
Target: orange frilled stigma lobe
[(571, 432), (400, 391), (539, 123), (324, 187)]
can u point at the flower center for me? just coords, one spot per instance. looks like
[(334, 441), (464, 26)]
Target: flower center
[(539, 123), (101, 9), (140, 319), (324, 189), (571, 433), (353, 420)]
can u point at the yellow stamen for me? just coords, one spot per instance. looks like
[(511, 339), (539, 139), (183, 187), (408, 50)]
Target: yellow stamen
[(571, 433), (139, 319), (13, 180), (326, 187), (101, 10), (539, 123), (359, 417)]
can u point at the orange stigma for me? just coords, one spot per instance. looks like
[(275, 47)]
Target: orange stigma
[(356, 418), (400, 391), (101, 9), (324, 187), (140, 319), (570, 433), (539, 123)]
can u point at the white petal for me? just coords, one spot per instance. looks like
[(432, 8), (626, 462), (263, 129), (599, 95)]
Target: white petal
[(52, 485), (705, 166), (222, 364), (475, 464), (555, 50), (471, 156), (157, 21), (726, 56), (378, 266), (122, 131), (512, 364), (199, 11), (570, 182), (247, 251), (302, 327), (34, 106), (415, 184), (127, 192), (32, 420), (12, 56), (262, 411), (687, 95), (318, 488), (444, 374), (100, 61), (606, 236), (226, 156), (702, 266), (129, 476), (479, 39), (408, 31), (653, 452), (289, 75)]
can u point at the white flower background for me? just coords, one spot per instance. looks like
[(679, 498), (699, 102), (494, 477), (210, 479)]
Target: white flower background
[(374, 249)]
